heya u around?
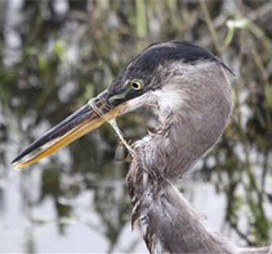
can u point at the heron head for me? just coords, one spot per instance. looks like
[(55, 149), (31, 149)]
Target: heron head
[(138, 84)]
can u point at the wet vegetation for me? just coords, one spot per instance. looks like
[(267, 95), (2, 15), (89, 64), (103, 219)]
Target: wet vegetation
[(55, 55)]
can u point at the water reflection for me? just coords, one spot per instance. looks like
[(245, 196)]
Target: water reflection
[(54, 55)]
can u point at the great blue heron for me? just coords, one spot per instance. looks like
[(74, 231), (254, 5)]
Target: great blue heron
[(187, 87)]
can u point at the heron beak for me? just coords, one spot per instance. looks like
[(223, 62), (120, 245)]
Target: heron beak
[(88, 118)]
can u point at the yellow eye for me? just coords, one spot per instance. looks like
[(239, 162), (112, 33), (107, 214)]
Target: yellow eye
[(136, 84)]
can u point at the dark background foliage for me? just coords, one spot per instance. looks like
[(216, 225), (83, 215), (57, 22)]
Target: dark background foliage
[(56, 54)]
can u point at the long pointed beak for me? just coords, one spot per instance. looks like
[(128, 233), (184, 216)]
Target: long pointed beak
[(88, 118)]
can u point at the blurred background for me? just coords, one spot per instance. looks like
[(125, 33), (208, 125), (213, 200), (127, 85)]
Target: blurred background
[(56, 54)]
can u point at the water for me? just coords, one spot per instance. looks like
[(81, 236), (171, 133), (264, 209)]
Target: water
[(53, 59)]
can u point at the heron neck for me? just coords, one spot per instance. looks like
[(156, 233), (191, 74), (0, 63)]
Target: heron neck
[(170, 225)]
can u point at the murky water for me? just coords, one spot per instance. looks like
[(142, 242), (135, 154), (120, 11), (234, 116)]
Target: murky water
[(56, 55)]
